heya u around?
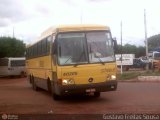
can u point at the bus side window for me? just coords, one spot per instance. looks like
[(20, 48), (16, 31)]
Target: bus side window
[(115, 44)]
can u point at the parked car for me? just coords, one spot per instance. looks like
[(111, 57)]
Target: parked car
[(139, 63), (144, 59)]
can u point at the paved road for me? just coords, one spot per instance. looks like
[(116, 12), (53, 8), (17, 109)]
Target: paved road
[(17, 96)]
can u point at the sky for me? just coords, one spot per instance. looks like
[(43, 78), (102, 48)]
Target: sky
[(29, 18)]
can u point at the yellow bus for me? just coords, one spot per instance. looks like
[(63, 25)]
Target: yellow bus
[(73, 59)]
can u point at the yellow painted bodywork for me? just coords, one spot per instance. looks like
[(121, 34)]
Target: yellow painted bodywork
[(42, 67), (99, 72)]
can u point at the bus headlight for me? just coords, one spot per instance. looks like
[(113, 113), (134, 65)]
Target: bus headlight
[(67, 81), (113, 77), (64, 82)]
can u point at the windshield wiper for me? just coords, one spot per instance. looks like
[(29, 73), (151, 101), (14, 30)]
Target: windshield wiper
[(79, 58), (100, 60), (97, 56), (68, 59)]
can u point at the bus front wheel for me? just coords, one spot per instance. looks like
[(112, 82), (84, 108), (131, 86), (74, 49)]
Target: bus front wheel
[(23, 74), (97, 94), (54, 95), (34, 86)]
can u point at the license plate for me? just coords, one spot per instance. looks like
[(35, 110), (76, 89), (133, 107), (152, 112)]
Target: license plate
[(91, 90)]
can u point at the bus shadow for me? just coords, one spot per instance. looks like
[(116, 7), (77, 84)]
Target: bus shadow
[(10, 77), (74, 99)]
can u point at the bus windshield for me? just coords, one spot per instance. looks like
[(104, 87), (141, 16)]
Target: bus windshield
[(81, 48)]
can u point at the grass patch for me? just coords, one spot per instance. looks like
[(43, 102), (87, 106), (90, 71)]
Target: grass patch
[(150, 73), (127, 75), (134, 74)]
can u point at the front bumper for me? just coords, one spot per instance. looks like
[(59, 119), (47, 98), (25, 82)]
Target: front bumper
[(98, 87)]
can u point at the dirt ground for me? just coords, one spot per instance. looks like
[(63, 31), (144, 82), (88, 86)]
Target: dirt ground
[(17, 97)]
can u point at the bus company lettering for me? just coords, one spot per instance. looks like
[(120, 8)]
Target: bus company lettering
[(108, 70), (70, 73)]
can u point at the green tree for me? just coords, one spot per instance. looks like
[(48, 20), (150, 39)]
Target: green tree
[(118, 49), (11, 47), (131, 49), (154, 41), (141, 51)]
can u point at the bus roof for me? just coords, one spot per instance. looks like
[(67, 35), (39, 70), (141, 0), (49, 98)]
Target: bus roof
[(69, 28), (81, 28)]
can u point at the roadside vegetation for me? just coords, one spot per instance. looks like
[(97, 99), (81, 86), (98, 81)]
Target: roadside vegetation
[(139, 51), (11, 47), (134, 74)]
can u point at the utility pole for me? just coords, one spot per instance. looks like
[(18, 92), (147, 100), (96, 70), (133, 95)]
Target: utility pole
[(81, 15), (146, 40), (121, 49), (13, 32)]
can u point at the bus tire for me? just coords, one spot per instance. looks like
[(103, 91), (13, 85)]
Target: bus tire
[(54, 95), (49, 85), (22, 75), (97, 94), (34, 86), (30, 79)]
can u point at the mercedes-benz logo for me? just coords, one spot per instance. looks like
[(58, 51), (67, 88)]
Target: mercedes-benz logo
[(90, 80)]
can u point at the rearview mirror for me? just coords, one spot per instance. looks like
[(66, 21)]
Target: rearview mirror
[(114, 44)]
